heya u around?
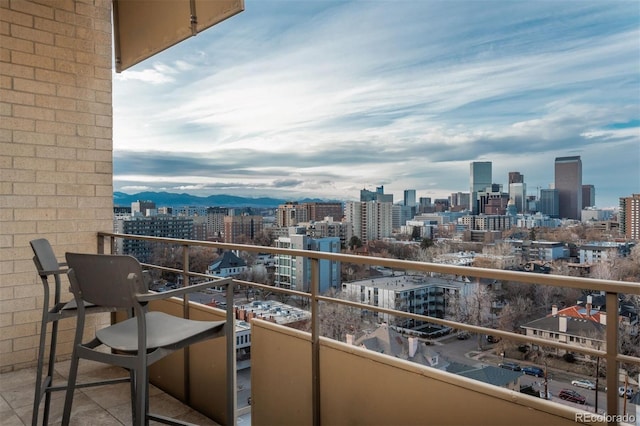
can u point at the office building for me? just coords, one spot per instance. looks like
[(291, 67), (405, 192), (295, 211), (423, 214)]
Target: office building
[(409, 197), (378, 195), (588, 196), (480, 178), (515, 177), (518, 191), (568, 182), (629, 217), (215, 222), (549, 203)]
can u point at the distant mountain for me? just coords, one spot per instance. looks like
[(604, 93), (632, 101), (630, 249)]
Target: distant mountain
[(168, 199)]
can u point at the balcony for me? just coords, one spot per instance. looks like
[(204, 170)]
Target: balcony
[(300, 378)]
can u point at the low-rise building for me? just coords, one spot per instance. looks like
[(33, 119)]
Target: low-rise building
[(227, 265)]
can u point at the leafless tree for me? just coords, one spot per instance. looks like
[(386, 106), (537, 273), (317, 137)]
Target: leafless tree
[(472, 306), (337, 320)]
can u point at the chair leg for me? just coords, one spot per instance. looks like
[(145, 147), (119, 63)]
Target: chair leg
[(37, 398), (141, 396), (71, 386), (50, 371)]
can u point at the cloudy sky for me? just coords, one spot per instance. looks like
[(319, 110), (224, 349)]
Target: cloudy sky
[(322, 98)]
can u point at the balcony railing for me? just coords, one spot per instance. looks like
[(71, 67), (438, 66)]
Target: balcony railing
[(312, 391)]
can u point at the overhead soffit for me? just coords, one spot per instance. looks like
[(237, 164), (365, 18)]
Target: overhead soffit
[(143, 28)]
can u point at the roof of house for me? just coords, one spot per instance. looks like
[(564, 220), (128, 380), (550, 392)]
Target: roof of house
[(387, 341), (580, 312), (228, 260), (575, 326), (493, 375)]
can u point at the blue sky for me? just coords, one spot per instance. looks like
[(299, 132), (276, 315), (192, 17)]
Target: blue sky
[(323, 98)]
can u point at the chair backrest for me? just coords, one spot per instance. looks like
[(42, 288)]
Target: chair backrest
[(44, 257), (106, 279)]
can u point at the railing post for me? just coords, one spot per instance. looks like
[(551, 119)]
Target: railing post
[(612, 353), (315, 340), (185, 314), (230, 331)]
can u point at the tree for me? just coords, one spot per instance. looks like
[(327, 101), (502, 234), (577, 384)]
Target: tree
[(472, 305), (354, 243), (425, 243), (337, 320)]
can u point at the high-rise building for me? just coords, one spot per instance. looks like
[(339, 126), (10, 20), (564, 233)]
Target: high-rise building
[(479, 179), (549, 202), (143, 208), (215, 221), (515, 177), (379, 195), (320, 211), (290, 214), (588, 196), (409, 197), (518, 193), (371, 220), (629, 217), (568, 182), (243, 228)]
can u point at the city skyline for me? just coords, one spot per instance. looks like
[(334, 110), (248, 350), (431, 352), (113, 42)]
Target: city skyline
[(322, 99)]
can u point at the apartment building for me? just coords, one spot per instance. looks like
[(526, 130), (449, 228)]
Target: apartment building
[(242, 228), (629, 217), (154, 226), (371, 220), (294, 273)]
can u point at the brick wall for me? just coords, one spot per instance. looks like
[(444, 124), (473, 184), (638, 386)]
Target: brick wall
[(55, 152)]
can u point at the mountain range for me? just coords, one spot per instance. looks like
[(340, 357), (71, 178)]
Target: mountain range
[(168, 199)]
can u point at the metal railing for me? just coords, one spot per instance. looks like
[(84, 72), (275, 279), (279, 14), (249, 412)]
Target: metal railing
[(611, 288)]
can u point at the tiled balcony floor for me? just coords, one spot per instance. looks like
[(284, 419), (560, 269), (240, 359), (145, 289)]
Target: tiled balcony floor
[(103, 405)]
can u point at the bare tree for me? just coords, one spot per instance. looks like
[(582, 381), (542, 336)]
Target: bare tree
[(337, 320), (472, 306)]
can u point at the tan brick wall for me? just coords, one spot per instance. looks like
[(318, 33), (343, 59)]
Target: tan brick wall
[(55, 152)]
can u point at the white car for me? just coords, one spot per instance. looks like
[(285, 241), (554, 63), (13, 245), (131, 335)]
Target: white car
[(583, 383)]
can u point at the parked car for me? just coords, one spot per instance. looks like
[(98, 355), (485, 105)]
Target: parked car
[(628, 392), (533, 371), (572, 396), (463, 335), (583, 383), (510, 366)]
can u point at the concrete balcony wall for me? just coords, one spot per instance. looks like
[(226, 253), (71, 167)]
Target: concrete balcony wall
[(358, 386), (56, 145)]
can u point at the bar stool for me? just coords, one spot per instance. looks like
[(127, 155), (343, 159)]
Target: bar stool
[(52, 311)]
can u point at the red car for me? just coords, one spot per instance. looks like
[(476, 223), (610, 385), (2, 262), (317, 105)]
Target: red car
[(572, 396)]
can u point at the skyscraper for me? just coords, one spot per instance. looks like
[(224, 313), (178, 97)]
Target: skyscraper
[(588, 196), (410, 197), (568, 182), (549, 202), (518, 191), (515, 177), (480, 178)]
